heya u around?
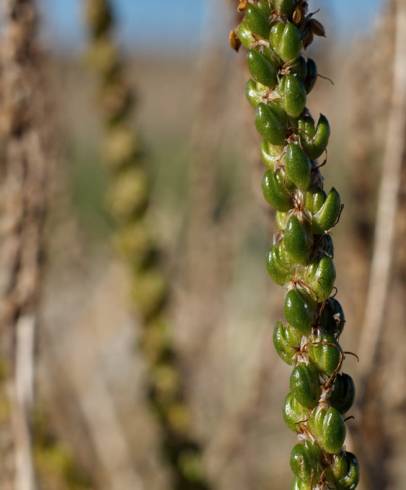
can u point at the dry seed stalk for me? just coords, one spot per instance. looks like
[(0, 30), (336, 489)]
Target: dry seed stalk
[(128, 204), (294, 148)]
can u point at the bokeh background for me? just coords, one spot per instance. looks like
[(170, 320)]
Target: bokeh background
[(207, 211)]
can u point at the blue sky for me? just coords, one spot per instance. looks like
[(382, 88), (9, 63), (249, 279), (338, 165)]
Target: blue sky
[(152, 24)]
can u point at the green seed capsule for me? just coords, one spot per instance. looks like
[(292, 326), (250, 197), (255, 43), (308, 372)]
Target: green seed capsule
[(299, 310), (271, 123), (255, 93), (281, 219), (293, 95), (297, 240), (305, 461), (311, 75), (305, 385), (294, 413), (343, 395), (299, 484), (275, 191), (320, 278), (314, 139), (265, 7), (256, 21), (332, 318), (261, 69), (245, 35), (344, 471), (297, 166), (328, 214), (286, 340), (314, 199), (277, 267), (325, 353), (270, 154), (328, 427), (284, 7), (299, 68), (286, 40)]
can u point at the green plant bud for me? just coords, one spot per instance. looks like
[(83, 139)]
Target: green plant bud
[(297, 166), (343, 394), (275, 191), (351, 479), (286, 40), (277, 267), (299, 484), (285, 7), (293, 95), (344, 471), (314, 139), (299, 310), (271, 123), (311, 75), (306, 461), (294, 413), (332, 318), (270, 154), (286, 340), (261, 69), (149, 293), (255, 93), (314, 199), (120, 147), (328, 427), (281, 219), (305, 384), (298, 240), (265, 6), (299, 68), (256, 21), (245, 35), (328, 214), (325, 353), (320, 277)]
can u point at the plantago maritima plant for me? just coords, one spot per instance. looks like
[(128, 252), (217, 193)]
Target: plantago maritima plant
[(129, 196), (275, 33)]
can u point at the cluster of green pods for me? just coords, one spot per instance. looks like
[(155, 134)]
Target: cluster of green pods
[(293, 149)]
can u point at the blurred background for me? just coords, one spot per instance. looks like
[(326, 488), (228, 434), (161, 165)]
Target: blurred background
[(196, 131)]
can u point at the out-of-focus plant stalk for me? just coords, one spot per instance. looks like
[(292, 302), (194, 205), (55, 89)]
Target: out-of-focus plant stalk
[(128, 202)]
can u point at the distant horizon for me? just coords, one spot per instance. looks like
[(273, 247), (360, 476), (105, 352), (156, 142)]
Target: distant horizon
[(180, 29)]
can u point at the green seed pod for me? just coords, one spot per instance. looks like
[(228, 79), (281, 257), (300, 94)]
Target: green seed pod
[(320, 278), (328, 427), (332, 318), (270, 154), (256, 21), (277, 267), (299, 310), (311, 75), (298, 240), (293, 95), (286, 40), (265, 6), (281, 220), (297, 166), (328, 214), (261, 69), (271, 123), (284, 7), (343, 395), (325, 353), (306, 461), (305, 384), (255, 93), (314, 140), (286, 341), (294, 413), (245, 35), (275, 191), (299, 484), (343, 472), (314, 199), (298, 68)]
